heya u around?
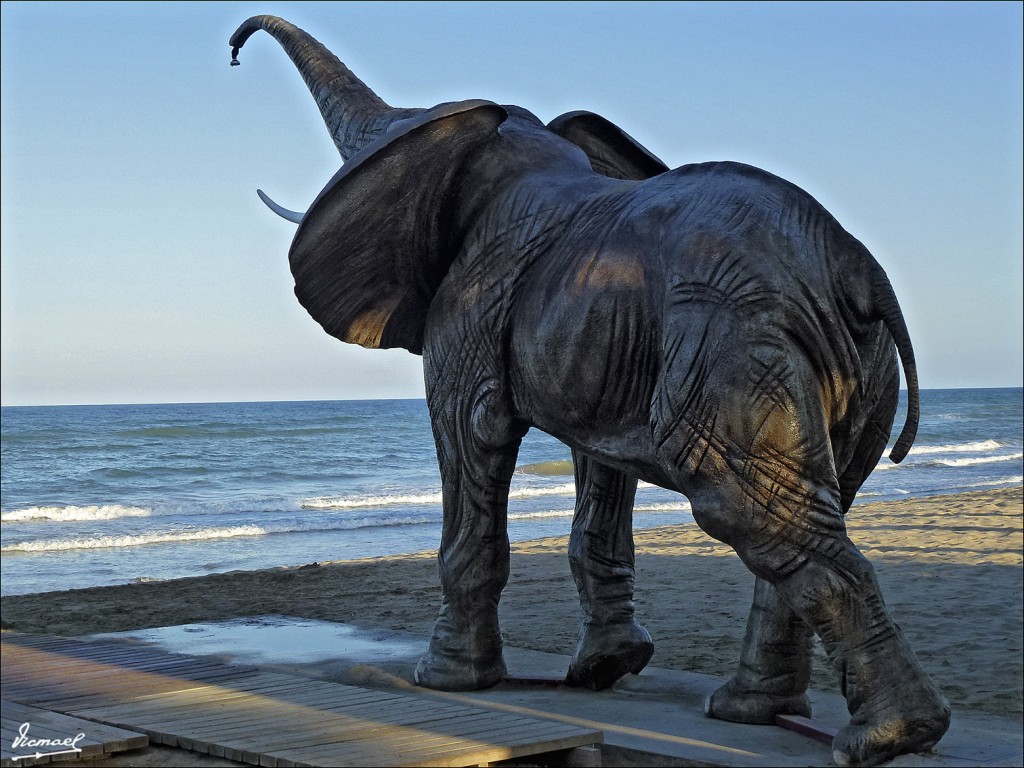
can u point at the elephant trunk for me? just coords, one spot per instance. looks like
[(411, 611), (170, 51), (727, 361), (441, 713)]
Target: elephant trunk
[(353, 113), (884, 299)]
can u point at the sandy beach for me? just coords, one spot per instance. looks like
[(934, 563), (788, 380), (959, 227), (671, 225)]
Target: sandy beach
[(950, 569)]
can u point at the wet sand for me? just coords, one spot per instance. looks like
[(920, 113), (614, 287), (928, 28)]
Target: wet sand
[(950, 569)]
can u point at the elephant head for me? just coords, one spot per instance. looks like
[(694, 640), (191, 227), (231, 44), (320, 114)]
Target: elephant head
[(371, 250)]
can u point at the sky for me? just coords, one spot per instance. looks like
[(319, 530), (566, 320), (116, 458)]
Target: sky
[(138, 264)]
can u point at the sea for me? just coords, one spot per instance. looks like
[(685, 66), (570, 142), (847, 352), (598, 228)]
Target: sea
[(113, 494)]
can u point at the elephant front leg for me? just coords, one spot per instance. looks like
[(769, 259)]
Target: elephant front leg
[(476, 453), (601, 558), (775, 665)]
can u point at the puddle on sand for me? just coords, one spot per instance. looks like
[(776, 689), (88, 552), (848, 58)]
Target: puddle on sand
[(278, 640)]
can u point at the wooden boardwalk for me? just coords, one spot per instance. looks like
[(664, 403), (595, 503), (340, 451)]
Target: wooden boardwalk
[(264, 718)]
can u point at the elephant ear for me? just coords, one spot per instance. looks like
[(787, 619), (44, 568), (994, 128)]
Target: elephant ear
[(611, 150), (373, 247)]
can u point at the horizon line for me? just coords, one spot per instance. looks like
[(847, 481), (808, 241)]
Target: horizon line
[(343, 400)]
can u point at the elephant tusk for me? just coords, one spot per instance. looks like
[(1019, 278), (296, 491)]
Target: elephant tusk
[(293, 216)]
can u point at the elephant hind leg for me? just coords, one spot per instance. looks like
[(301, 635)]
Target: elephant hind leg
[(893, 705), (775, 665), (601, 557), (832, 588)]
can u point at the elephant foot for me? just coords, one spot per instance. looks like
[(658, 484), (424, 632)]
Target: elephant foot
[(880, 740), (446, 674), (461, 659), (607, 652), (739, 705)]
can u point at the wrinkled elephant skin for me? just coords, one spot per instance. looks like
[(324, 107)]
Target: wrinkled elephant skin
[(710, 329)]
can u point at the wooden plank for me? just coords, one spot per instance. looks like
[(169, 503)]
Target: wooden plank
[(43, 719), (33, 640), (467, 735), (89, 668), (319, 747), (230, 748), (141, 660), (442, 749), (170, 710), (186, 697), (199, 721), (332, 694), (27, 670), (42, 724), (113, 651), (402, 745), (70, 692), (52, 732), (192, 696), (302, 731), (263, 731), (82, 701)]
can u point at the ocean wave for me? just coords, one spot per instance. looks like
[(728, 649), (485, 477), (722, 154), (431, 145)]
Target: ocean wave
[(162, 432), (682, 506), (969, 461), (974, 447), (673, 506), (962, 461), (360, 502), (421, 499), (208, 534), (1015, 480), (72, 514), (226, 431), (540, 515), (563, 489)]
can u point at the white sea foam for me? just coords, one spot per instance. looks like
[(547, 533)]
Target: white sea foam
[(538, 515), (975, 447), (563, 489), (362, 502), (72, 514), (422, 499), (673, 506), (960, 461), (207, 534), (968, 461), (682, 506), (1015, 480)]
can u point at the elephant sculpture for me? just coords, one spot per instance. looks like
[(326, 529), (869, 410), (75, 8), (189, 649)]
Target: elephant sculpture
[(710, 329)]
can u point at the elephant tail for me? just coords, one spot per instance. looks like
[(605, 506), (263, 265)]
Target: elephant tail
[(886, 305)]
